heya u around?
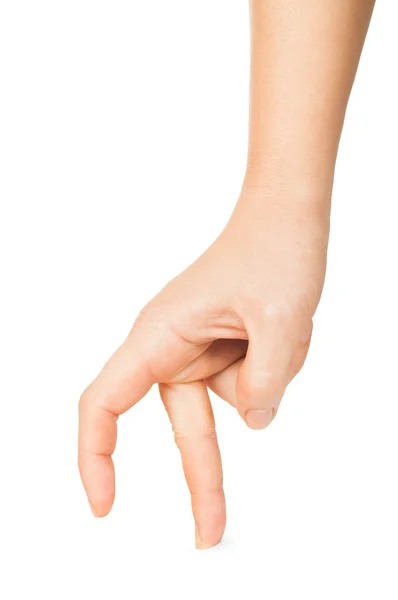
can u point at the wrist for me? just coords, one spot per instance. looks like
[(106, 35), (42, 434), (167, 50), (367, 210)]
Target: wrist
[(281, 193), (310, 180)]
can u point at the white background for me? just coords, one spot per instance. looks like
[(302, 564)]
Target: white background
[(123, 145)]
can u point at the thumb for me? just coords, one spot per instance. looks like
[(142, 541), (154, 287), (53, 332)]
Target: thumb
[(263, 376)]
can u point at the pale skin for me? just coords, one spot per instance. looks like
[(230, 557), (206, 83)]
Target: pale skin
[(238, 321)]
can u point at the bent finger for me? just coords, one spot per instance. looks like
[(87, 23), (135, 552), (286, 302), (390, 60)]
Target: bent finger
[(298, 360), (218, 356), (263, 375), (123, 381), (223, 384)]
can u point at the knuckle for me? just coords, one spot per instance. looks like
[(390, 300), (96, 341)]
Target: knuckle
[(86, 399), (296, 368), (275, 315), (299, 358), (184, 441), (283, 314), (152, 319), (144, 315)]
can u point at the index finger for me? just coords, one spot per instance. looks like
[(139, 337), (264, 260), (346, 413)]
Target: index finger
[(124, 380)]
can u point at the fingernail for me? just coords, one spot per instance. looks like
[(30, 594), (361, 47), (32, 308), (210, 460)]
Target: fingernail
[(259, 419), (199, 543)]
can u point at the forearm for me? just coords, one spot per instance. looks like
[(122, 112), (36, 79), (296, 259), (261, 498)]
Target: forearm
[(304, 56)]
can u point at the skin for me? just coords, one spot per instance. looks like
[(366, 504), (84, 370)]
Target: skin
[(239, 320)]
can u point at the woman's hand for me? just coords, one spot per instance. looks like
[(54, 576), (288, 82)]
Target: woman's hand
[(237, 321)]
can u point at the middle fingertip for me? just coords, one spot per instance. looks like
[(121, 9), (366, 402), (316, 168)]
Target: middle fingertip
[(200, 544)]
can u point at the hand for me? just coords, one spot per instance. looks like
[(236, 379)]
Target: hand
[(237, 321)]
